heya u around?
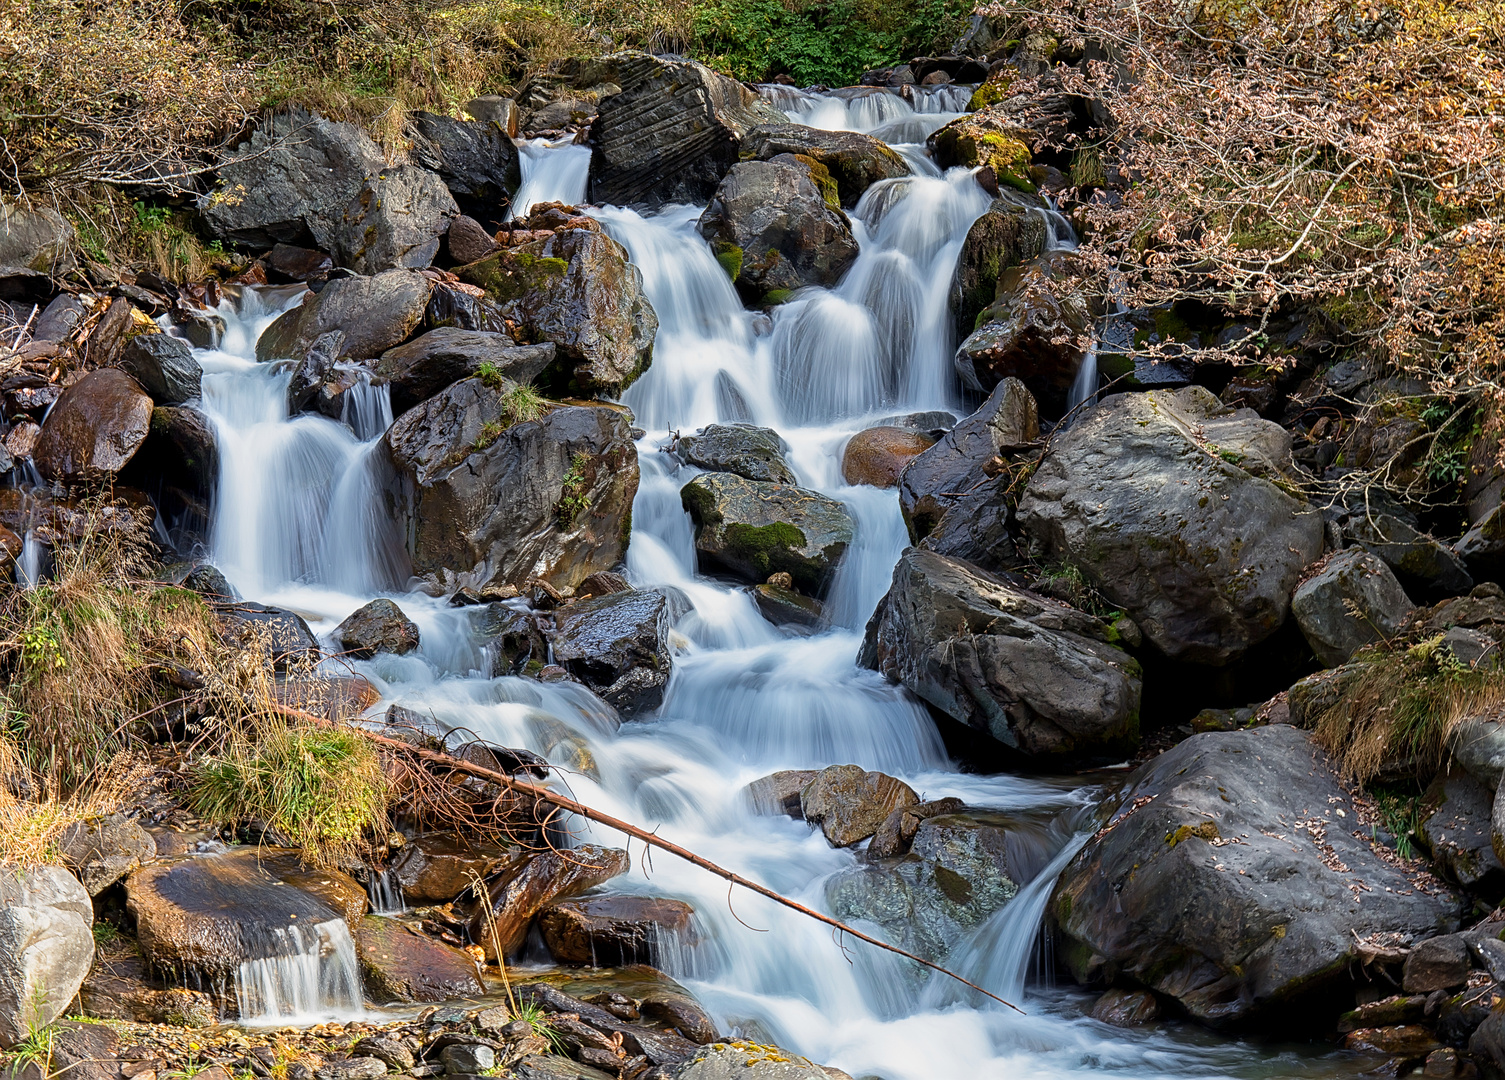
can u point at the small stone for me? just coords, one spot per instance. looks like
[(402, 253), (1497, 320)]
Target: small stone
[(356, 1068), (1441, 1063), (468, 1058), (1126, 1008), (850, 804), (397, 1057)]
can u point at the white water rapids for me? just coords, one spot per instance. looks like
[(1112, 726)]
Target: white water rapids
[(297, 522)]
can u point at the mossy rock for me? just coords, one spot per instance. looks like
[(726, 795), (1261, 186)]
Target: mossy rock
[(996, 89)]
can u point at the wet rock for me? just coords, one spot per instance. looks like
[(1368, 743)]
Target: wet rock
[(773, 232), (1397, 1009), (613, 931), (1009, 235), (949, 503), (878, 455), (981, 140), (550, 1066), (59, 318), (434, 868), (779, 793), (1482, 548), (519, 891), (1440, 963), (468, 241), (1455, 830), (672, 132), (1143, 496), (756, 453), (117, 989), (1353, 601), (94, 428), (164, 366), (750, 1061), (442, 357), (466, 518), (207, 915), (178, 466), (390, 1052), (956, 874), (282, 635), (355, 1068), (785, 607), (1126, 1008), (477, 160), (379, 626), (754, 528), (46, 947), (291, 182), (1037, 675), (290, 263), (849, 804), (468, 1059), (855, 161), (1200, 888), (1406, 1041), (618, 645), (206, 580), (393, 222), (516, 641), (494, 109), (400, 964), (374, 313), (577, 289), (895, 836), (101, 851), (35, 239), (1035, 333)]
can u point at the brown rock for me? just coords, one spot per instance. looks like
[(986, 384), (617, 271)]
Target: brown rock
[(613, 931), (468, 240), (779, 793), (1439, 963), (436, 867), (22, 440), (680, 1011), (898, 829), (1126, 1008), (398, 963), (878, 455), (519, 891), (117, 989), (1403, 1040), (95, 427), (850, 804)]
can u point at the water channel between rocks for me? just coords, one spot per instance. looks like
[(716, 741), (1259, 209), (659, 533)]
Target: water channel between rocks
[(298, 522)]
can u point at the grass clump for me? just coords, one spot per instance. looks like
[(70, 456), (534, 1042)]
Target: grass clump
[(324, 787), (523, 403)]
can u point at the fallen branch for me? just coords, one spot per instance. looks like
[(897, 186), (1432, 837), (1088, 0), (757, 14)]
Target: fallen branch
[(564, 803)]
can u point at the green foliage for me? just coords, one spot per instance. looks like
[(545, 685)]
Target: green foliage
[(830, 43), (491, 376), (574, 492), (523, 403), (1400, 814), (104, 933)]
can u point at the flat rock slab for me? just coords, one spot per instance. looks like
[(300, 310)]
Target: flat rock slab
[(400, 964)]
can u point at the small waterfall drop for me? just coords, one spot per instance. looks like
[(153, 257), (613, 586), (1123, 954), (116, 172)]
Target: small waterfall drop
[(385, 893), (310, 975), (552, 171)]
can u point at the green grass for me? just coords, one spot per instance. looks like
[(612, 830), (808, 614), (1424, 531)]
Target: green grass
[(574, 491)]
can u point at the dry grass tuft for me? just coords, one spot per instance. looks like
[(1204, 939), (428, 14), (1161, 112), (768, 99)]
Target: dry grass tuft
[(33, 815)]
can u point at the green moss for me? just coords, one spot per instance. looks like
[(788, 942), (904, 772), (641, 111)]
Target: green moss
[(730, 258), (1207, 830), (824, 182), (768, 548), (993, 91), (777, 296), (700, 504), (956, 888), (1087, 168), (509, 275)]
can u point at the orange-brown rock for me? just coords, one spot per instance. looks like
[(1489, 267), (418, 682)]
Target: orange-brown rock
[(95, 427), (613, 931), (519, 891), (878, 455)]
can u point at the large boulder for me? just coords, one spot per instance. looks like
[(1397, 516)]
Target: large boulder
[(283, 636), (978, 140), (1153, 497), (394, 221), (618, 645), (577, 289), (950, 503), (419, 369), (1352, 601), (955, 875), (1455, 815), (400, 964), (468, 519), (1038, 676), (291, 182), (738, 1060), (615, 931), (755, 528), (754, 452), (1232, 876), (46, 947), (35, 239), (372, 313), (164, 366), (855, 161), (849, 803), (476, 159), (101, 851), (672, 132), (94, 428), (379, 626), (519, 891), (1011, 234), (773, 232)]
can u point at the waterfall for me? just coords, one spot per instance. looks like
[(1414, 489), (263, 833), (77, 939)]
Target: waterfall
[(309, 975), (552, 171), (385, 893)]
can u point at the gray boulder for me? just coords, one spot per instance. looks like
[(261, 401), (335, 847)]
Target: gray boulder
[(1154, 498), (424, 366), (577, 289), (1353, 601), (477, 160), (855, 161), (618, 645), (35, 239), (951, 505), (393, 222), (1455, 829), (1477, 744), (1426, 567), (1036, 675), (755, 528), (1226, 878), (164, 366), (101, 851), (672, 132), (379, 626), (1009, 235), (291, 182), (849, 804), (1036, 333), (772, 230), (746, 1061), (373, 313), (756, 453), (1482, 548), (956, 874), (46, 947), (466, 518)]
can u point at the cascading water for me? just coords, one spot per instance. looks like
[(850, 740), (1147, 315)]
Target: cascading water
[(552, 171), (297, 522), (310, 974)]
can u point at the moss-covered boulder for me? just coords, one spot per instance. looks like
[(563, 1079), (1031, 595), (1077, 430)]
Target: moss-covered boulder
[(855, 161), (753, 528), (1011, 234), (754, 452), (981, 139)]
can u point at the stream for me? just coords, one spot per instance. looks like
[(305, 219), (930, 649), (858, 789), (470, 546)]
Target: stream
[(298, 523)]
